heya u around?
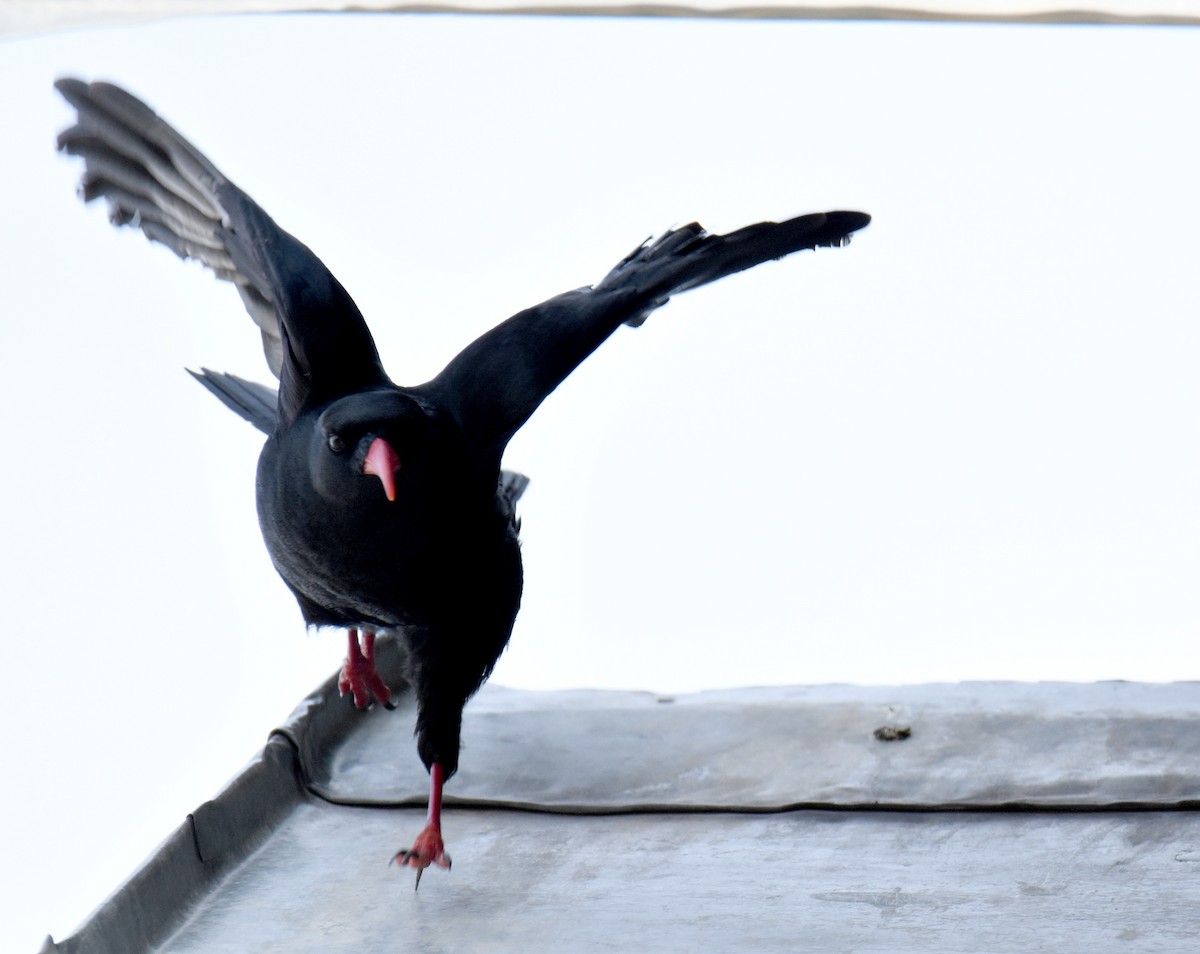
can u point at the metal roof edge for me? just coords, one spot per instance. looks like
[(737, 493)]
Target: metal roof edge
[(28, 17), (156, 900), (293, 770)]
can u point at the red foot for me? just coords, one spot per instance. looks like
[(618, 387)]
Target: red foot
[(358, 674), (427, 849)]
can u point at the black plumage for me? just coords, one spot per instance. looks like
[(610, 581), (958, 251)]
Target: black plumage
[(426, 546)]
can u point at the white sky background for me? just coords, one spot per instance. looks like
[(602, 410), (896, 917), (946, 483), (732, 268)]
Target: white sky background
[(965, 447)]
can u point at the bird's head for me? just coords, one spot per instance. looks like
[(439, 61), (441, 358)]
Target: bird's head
[(365, 445)]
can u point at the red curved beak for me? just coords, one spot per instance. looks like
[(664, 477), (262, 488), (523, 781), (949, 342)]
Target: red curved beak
[(383, 462)]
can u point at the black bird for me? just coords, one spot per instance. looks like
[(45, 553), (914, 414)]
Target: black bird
[(428, 548)]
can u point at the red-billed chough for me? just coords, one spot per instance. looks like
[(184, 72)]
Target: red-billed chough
[(427, 546)]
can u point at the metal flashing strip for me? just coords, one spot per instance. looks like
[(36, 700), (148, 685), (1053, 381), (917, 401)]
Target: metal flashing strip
[(971, 745), (193, 860)]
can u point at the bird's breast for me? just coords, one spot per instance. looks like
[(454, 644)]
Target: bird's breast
[(403, 562)]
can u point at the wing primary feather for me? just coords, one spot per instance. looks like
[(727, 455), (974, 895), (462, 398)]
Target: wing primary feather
[(314, 338), (498, 381)]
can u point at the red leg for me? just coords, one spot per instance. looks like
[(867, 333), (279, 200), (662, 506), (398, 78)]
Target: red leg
[(358, 674), (428, 848)]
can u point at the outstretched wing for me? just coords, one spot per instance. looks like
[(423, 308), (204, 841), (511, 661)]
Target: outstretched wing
[(498, 381), (314, 336)]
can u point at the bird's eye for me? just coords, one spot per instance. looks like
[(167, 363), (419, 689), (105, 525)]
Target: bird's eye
[(336, 444)]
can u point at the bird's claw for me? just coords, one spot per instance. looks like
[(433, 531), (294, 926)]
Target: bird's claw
[(427, 849), (359, 676), (363, 685)]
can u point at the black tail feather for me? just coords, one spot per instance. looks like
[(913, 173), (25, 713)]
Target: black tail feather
[(254, 402)]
